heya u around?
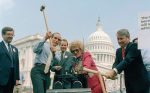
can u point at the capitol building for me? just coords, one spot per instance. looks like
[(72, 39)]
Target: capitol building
[(99, 44)]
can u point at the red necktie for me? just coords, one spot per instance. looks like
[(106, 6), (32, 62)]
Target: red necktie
[(123, 53)]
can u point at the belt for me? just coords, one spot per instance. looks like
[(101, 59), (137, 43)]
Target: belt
[(39, 64)]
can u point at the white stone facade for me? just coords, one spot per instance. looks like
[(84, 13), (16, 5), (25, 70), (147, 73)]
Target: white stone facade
[(100, 45), (26, 56), (103, 52)]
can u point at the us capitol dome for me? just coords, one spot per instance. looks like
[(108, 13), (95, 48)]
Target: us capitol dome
[(101, 46)]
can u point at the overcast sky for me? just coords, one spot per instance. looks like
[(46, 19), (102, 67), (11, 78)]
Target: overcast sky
[(74, 19)]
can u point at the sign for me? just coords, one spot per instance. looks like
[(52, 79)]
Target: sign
[(144, 31)]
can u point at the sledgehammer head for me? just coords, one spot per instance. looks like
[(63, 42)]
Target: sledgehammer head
[(42, 8)]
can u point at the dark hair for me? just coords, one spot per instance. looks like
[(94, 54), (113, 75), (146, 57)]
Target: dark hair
[(134, 40), (5, 29)]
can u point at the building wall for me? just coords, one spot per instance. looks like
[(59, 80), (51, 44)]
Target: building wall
[(26, 56)]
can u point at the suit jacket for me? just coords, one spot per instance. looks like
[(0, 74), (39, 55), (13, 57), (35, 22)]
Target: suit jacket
[(65, 63), (136, 76), (6, 63)]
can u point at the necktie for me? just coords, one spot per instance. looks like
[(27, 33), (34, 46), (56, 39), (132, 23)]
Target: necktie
[(61, 59), (62, 55), (123, 53), (10, 53), (9, 50)]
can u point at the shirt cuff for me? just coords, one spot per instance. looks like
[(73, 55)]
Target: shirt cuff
[(115, 70)]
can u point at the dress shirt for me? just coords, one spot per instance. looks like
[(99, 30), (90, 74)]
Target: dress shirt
[(6, 44), (146, 58), (58, 55), (10, 51), (42, 50)]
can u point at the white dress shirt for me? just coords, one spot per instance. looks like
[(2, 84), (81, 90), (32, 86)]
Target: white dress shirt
[(146, 58)]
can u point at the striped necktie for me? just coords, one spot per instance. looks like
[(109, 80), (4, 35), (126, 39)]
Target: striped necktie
[(9, 50), (10, 53)]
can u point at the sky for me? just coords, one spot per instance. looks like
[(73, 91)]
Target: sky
[(74, 19)]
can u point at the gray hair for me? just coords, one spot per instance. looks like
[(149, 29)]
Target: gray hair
[(123, 32), (55, 34)]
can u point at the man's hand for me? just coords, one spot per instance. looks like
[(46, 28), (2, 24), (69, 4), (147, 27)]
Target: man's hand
[(48, 35), (100, 73), (53, 49), (17, 82), (111, 74)]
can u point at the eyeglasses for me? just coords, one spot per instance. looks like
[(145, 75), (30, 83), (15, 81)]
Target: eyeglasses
[(75, 51)]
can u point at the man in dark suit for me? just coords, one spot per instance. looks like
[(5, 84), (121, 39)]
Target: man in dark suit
[(9, 62), (129, 60), (62, 66)]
